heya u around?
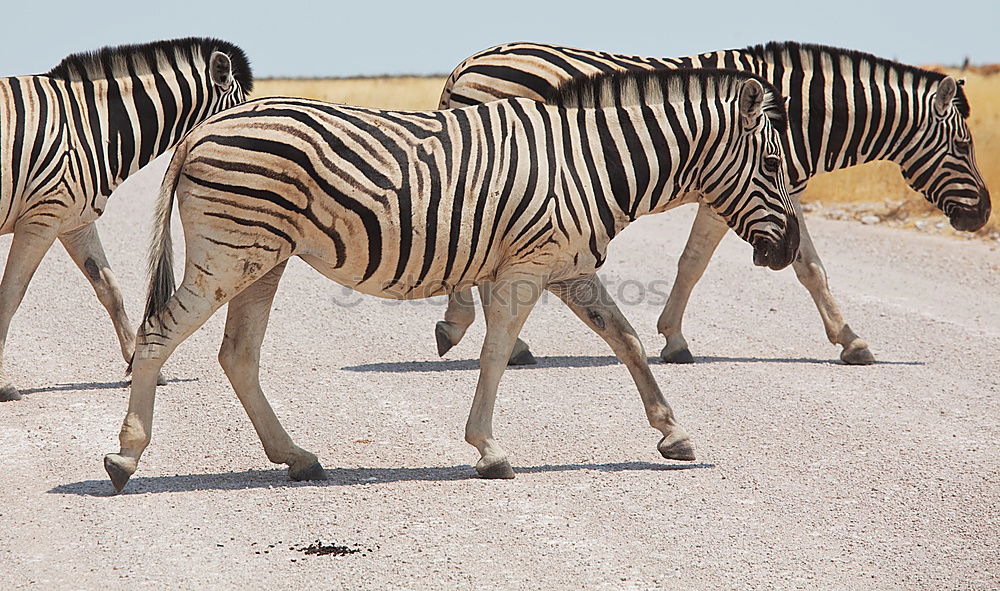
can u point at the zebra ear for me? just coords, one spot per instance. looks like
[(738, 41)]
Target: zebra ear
[(751, 102), (220, 70), (946, 91)]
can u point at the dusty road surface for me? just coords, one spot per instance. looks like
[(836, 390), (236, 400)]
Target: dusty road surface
[(810, 474)]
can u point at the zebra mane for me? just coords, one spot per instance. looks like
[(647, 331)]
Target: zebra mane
[(648, 87), (786, 48), (124, 60)]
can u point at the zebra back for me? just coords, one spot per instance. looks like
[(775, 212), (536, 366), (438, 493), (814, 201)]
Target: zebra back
[(845, 107)]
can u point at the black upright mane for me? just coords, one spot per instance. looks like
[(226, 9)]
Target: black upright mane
[(648, 87), (766, 53), (114, 62)]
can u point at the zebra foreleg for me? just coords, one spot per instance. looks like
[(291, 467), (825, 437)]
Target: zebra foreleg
[(31, 242), (811, 274), (239, 356), (591, 302), (459, 315), (506, 303), (84, 247), (706, 233)]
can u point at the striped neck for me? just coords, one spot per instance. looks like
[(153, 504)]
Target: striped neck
[(628, 162), (845, 107), (126, 105), (136, 119)]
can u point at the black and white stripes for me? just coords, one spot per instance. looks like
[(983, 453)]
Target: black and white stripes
[(413, 204), (514, 197), (70, 136), (844, 108)]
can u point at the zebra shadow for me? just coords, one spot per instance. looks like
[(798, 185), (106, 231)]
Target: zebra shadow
[(473, 364), (583, 361), (84, 386), (807, 360), (278, 477)]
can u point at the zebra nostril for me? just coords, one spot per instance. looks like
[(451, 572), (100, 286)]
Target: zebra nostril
[(763, 252), (778, 253)]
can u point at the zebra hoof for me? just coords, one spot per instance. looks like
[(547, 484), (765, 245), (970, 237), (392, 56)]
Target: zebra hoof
[(522, 358), (9, 393), (443, 340), (313, 471), (495, 471), (677, 448), (679, 356), (857, 355), (120, 468)]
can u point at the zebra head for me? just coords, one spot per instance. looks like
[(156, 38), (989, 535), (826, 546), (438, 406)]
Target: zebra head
[(229, 76), (748, 186), (942, 163)]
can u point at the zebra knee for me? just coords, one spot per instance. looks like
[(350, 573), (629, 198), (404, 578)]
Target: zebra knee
[(596, 320), (92, 270), (235, 357), (229, 357)]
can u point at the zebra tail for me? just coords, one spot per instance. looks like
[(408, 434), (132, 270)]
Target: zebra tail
[(161, 251)]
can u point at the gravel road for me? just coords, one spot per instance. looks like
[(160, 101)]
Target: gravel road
[(810, 474)]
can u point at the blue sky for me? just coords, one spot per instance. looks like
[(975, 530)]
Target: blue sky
[(381, 37)]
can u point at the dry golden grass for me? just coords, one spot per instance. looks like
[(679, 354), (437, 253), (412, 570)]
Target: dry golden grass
[(877, 182), (403, 92)]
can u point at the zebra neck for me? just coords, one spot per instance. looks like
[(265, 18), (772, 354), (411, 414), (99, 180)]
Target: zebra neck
[(127, 122), (626, 163), (844, 110)]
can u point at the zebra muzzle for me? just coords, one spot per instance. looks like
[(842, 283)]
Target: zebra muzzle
[(970, 219), (778, 254)]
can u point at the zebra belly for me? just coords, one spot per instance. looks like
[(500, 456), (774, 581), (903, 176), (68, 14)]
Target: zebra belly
[(545, 258), (383, 285)]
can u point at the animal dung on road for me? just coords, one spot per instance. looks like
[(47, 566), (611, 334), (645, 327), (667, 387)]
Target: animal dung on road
[(318, 548)]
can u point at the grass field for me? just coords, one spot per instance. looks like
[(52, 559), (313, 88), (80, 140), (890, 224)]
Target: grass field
[(876, 183), (402, 92)]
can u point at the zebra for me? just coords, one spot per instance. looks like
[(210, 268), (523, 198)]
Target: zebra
[(845, 108), (514, 197), (70, 136)]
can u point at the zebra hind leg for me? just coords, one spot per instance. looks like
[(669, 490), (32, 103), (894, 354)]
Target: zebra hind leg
[(239, 356), (591, 302), (84, 247), (521, 354), (458, 317), (186, 310)]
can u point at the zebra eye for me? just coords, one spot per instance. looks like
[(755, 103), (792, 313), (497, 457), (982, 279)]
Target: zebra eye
[(962, 147), (771, 163)]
